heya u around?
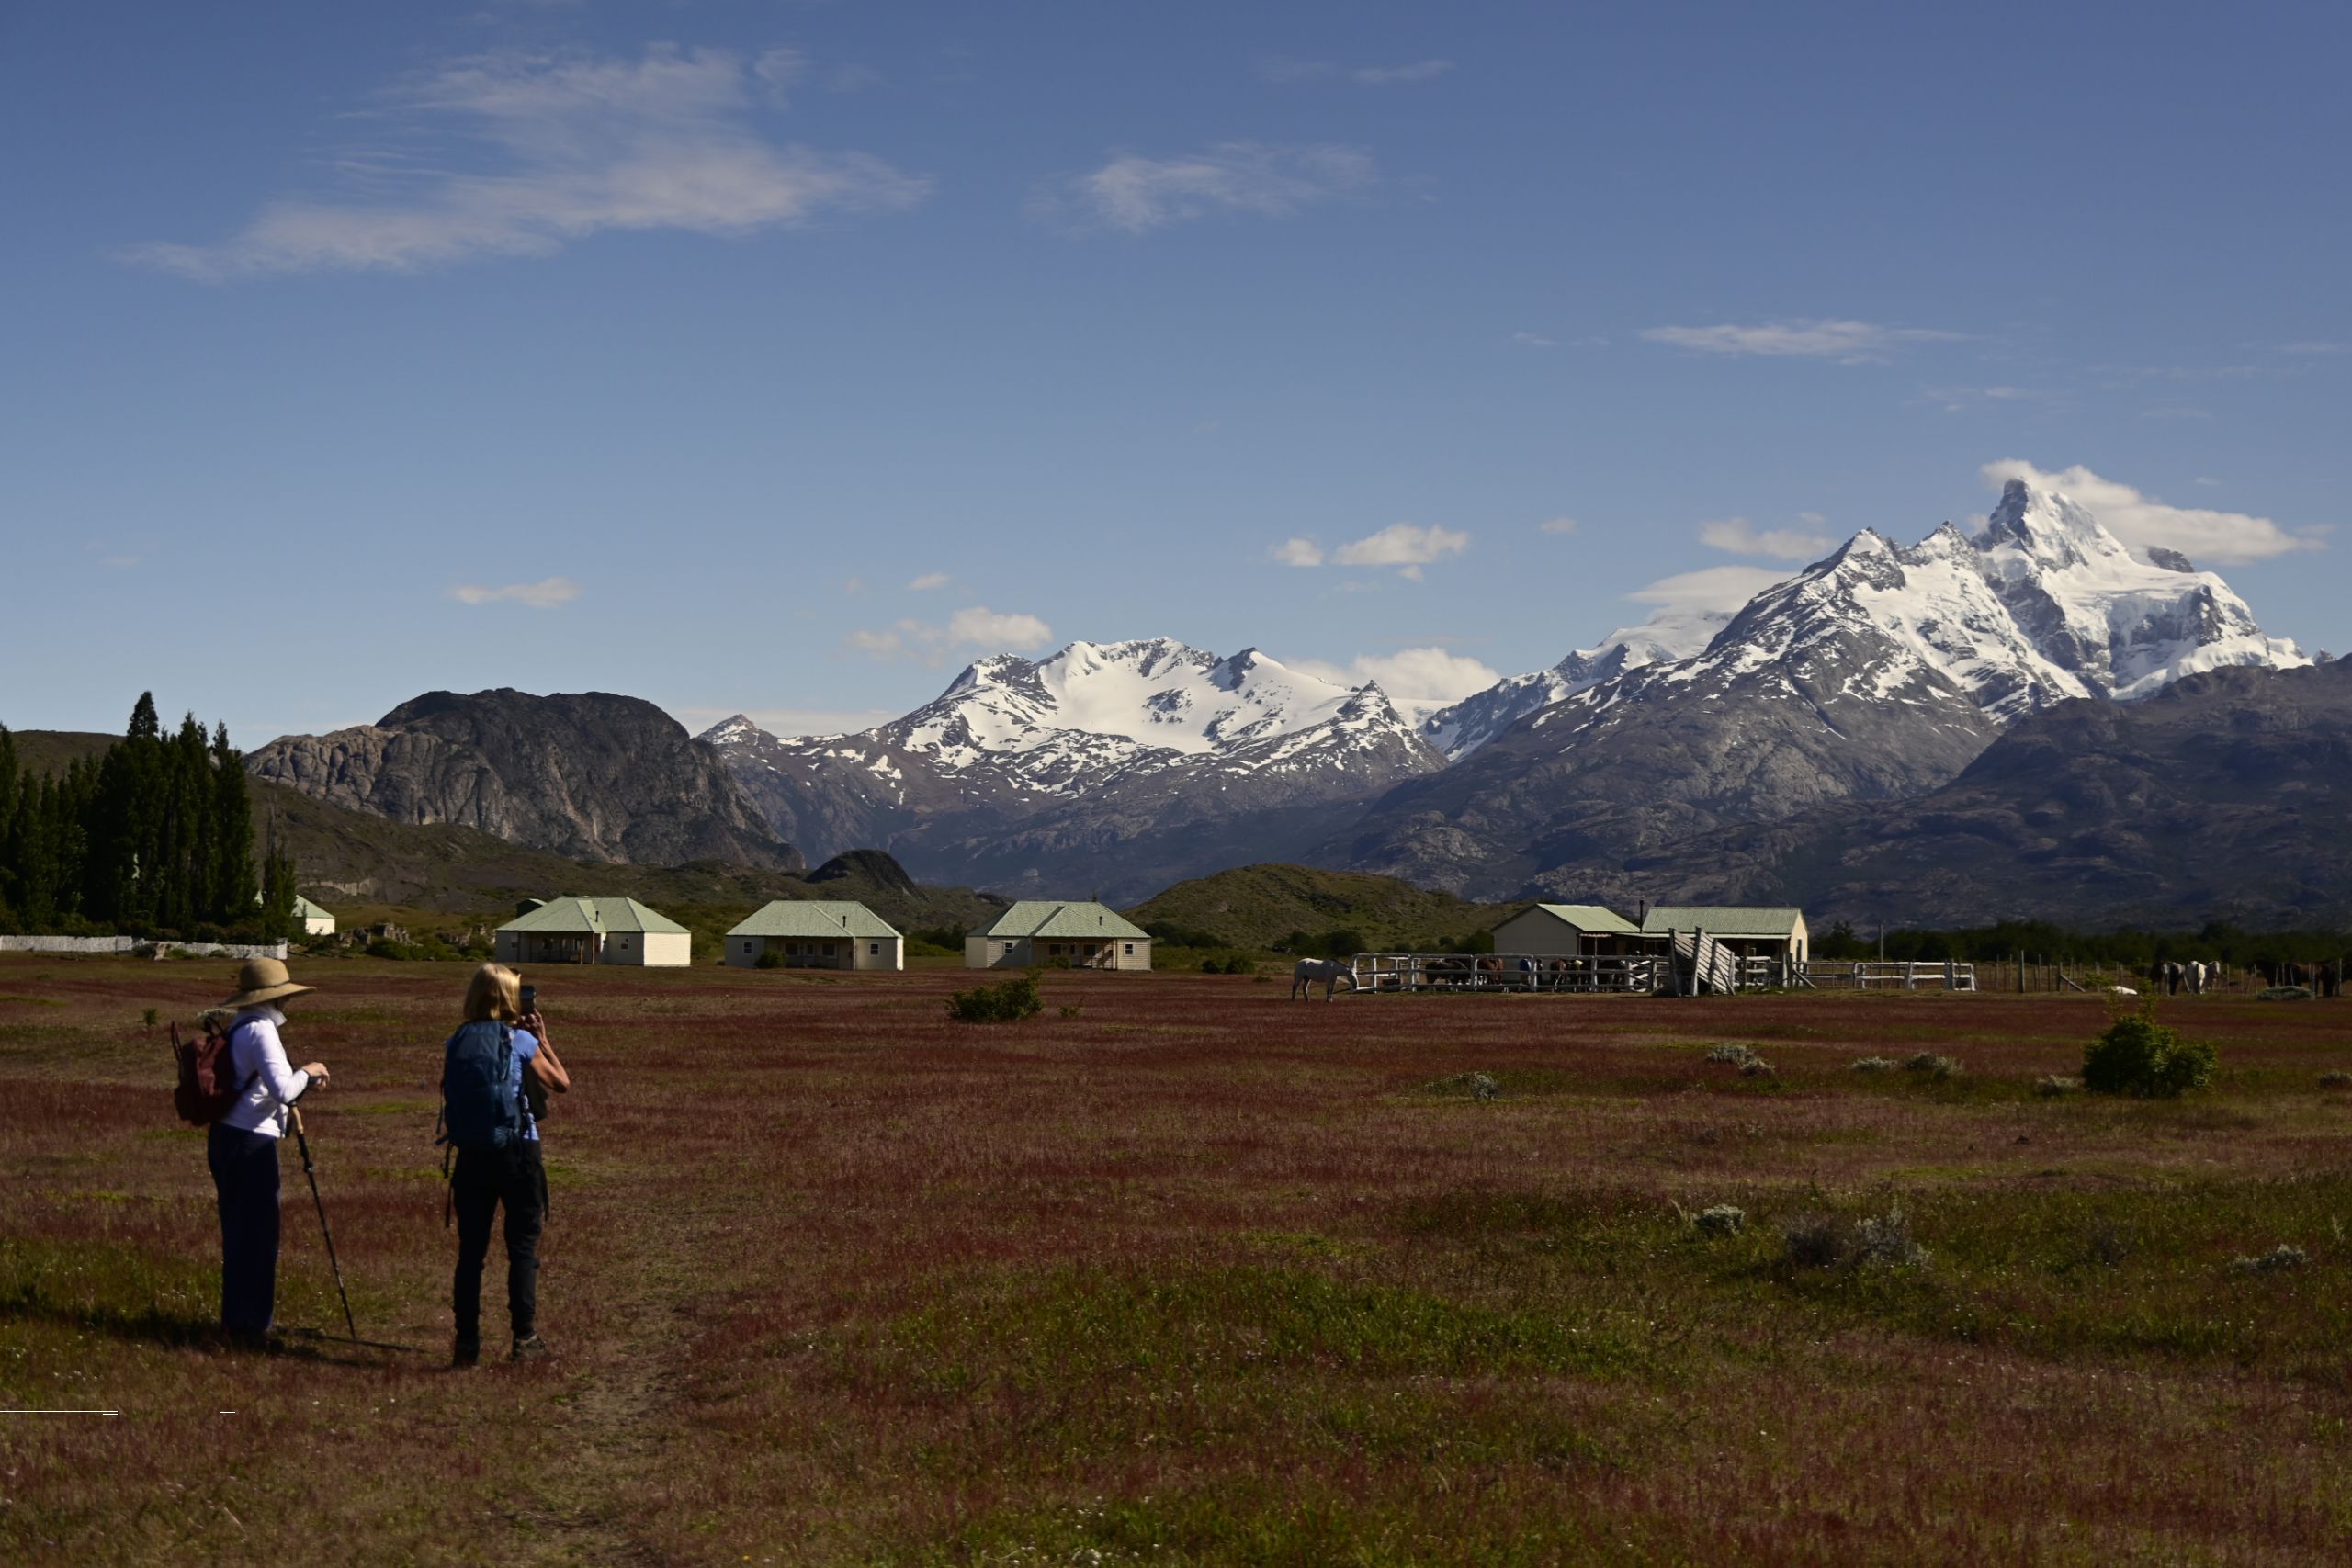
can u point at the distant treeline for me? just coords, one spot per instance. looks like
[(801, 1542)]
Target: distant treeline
[(2044, 942), (153, 838)]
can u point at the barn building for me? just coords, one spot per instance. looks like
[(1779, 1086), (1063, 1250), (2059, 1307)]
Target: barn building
[(594, 931), (1773, 932), (817, 933), (1042, 932), (1570, 930), (311, 919)]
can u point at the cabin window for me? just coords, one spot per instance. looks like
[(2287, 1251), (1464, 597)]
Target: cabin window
[(873, 949), (1131, 950)]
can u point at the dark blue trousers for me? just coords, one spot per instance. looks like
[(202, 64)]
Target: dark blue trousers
[(244, 1174), (486, 1180)]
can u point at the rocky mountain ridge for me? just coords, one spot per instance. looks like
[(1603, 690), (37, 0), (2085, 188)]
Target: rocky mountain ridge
[(1877, 673), (588, 776)]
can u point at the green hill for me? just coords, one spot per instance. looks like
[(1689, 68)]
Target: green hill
[(1259, 906)]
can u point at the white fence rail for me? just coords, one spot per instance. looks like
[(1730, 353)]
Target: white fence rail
[(1379, 971), (1887, 974)]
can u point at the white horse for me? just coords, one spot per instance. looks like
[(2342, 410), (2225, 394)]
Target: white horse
[(1330, 971)]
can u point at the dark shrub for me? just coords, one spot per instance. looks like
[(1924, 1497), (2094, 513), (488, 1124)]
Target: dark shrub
[(769, 958), (2137, 1056), (1006, 1002)]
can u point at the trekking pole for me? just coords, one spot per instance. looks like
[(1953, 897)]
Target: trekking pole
[(312, 1171)]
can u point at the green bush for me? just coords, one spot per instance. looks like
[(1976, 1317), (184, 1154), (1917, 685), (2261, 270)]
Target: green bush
[(1007, 1002), (1227, 964), (769, 958), (2137, 1056)]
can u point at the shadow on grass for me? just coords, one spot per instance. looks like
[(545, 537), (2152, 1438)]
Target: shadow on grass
[(178, 1331)]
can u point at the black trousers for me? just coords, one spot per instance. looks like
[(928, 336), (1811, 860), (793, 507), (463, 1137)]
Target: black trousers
[(483, 1182), (245, 1178)]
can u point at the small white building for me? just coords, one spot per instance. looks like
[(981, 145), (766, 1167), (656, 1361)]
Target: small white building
[(311, 919), (1568, 931), (818, 933), (1040, 932), (594, 931)]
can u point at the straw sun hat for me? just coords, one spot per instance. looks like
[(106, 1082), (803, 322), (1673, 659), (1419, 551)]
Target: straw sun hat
[(263, 980)]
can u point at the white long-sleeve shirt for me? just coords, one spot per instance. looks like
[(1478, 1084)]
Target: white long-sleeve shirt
[(256, 1054)]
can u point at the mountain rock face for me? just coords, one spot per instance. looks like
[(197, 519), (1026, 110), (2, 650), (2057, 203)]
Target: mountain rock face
[(1469, 724), (2228, 795), (1878, 673), (588, 776), (1109, 767)]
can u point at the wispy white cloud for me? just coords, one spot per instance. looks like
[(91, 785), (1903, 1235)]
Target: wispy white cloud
[(1848, 343), (1560, 526), (1721, 588), (544, 594), (1137, 195), (1739, 536), (1408, 547), (1533, 340), (1416, 680), (2316, 346), (561, 147), (1280, 70), (974, 627), (929, 581), (2209, 537)]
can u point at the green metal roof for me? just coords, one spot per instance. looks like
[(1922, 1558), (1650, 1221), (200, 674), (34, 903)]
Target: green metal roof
[(1772, 920), (1045, 918), (601, 917), (816, 918), (306, 910), (1587, 917)]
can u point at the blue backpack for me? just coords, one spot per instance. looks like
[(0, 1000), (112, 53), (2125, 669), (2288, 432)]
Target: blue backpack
[(481, 1084)]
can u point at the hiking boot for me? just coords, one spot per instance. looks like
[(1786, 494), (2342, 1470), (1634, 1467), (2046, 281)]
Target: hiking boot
[(466, 1353), (529, 1347)]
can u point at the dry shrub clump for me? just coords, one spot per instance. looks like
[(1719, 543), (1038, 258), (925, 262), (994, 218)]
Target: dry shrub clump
[(2283, 1255), (1941, 1069), (1007, 1002), (1757, 1067), (1832, 1241), (2337, 1079), (1723, 1219), (2139, 1056), (1731, 1056), (1480, 1087), (1875, 1064), (2052, 1085)]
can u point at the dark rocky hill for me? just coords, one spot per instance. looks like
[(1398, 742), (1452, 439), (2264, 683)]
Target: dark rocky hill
[(588, 776), (2228, 796)]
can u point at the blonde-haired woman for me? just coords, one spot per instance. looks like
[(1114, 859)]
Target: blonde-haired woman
[(487, 1119)]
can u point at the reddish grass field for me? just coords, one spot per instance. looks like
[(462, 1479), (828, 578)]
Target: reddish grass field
[(1181, 1271)]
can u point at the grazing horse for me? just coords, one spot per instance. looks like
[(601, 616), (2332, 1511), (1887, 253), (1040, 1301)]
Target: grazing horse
[(2197, 976), (1330, 971)]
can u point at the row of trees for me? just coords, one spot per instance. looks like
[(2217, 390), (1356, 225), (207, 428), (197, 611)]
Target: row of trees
[(153, 838)]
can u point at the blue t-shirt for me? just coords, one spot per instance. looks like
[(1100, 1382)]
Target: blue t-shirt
[(525, 1045)]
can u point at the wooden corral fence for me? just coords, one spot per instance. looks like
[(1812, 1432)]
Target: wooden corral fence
[(1693, 963), (1885, 976), (1399, 972)]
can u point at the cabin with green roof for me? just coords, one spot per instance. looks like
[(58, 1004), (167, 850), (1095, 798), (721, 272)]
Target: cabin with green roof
[(1048, 933), (1570, 930), (311, 920), (594, 931), (817, 933)]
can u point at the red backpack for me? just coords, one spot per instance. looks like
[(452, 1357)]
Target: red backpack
[(203, 1095)]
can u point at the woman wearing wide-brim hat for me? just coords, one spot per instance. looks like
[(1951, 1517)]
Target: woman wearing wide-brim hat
[(242, 1150)]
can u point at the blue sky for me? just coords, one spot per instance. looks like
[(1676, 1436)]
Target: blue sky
[(783, 357)]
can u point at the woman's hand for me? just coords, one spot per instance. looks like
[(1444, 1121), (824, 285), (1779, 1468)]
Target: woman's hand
[(532, 1024), (317, 1071)]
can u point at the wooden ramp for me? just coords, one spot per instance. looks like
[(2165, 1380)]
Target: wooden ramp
[(1703, 967)]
